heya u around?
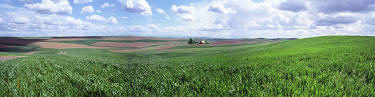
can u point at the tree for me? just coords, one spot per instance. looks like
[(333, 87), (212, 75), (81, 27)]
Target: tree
[(190, 41)]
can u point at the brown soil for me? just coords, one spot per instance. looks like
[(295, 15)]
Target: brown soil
[(120, 39), (12, 41), (66, 39), (132, 44), (5, 58), (134, 38), (156, 48), (31, 52), (62, 45), (5, 46), (232, 42)]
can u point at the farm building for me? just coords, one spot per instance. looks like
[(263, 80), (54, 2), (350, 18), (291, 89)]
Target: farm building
[(203, 42), (191, 41)]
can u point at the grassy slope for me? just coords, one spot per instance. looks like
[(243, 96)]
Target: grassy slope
[(324, 66)]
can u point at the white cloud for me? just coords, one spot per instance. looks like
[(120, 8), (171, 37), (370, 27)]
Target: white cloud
[(98, 18), (181, 9), (137, 28), (106, 4), (161, 11), (25, 22), (82, 1), (218, 18), (184, 12), (334, 6), (51, 7), (19, 21), (88, 9), (124, 17), (112, 20), (98, 11), (137, 6), (293, 5), (267, 19), (24, 1), (240, 18), (219, 8)]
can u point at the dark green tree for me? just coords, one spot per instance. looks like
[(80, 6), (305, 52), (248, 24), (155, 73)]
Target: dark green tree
[(190, 41)]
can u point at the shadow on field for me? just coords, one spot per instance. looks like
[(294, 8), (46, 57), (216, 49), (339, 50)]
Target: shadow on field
[(14, 44)]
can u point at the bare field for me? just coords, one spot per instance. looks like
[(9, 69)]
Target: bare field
[(133, 44), (63, 45), (135, 38), (65, 39), (5, 46)]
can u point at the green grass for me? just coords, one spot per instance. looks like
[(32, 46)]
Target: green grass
[(319, 66)]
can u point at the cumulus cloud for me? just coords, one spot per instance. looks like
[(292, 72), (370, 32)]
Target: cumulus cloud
[(181, 9), (219, 8), (293, 5), (161, 11), (106, 4), (274, 18), (98, 18), (27, 1), (112, 20), (333, 6), (82, 1), (124, 17), (88, 9), (328, 21), (21, 21), (137, 6), (98, 11), (137, 28), (370, 19), (217, 18), (184, 12), (61, 7), (329, 6)]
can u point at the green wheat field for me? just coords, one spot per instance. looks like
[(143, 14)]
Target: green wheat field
[(318, 66)]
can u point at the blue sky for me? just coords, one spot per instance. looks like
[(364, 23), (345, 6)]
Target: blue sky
[(187, 18)]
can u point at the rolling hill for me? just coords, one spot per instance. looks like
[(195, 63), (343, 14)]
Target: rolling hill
[(318, 66)]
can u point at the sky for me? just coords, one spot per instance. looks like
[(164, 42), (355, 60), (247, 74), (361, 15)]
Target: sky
[(187, 18)]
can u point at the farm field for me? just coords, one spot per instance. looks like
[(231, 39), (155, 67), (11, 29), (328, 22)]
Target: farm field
[(153, 66)]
